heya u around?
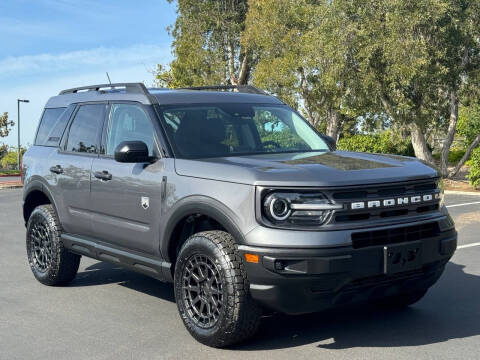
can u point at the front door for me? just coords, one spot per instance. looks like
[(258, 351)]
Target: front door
[(126, 198)]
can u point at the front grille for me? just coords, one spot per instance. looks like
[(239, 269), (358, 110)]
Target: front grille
[(394, 235), (376, 192)]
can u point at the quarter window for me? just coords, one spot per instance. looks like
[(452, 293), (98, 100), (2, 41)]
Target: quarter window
[(128, 122), (85, 129), (51, 126)]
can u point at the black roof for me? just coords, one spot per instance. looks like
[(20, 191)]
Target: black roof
[(162, 96)]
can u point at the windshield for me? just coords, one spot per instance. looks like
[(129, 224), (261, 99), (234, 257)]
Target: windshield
[(218, 130)]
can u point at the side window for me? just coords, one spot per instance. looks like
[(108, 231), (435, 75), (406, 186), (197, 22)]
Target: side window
[(128, 122), (51, 127), (85, 129)]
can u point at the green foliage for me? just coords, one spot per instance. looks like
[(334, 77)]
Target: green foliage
[(10, 160), (469, 121), (474, 175), (301, 52), (454, 156), (206, 44), (3, 150), (384, 143), (5, 125), (9, 172)]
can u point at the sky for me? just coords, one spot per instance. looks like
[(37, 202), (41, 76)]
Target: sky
[(50, 45)]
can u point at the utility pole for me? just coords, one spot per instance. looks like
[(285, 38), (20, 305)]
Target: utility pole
[(18, 129)]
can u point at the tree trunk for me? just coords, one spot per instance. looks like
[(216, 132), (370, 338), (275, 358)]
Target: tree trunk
[(334, 121), (231, 63), (452, 126), (465, 157), (420, 144), (244, 70)]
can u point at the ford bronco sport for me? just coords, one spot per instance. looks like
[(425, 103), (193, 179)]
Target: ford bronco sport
[(234, 198)]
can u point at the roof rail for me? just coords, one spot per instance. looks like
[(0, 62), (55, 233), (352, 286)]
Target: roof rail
[(240, 88), (129, 88)]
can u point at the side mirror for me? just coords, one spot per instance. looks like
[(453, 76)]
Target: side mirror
[(132, 152), (332, 144)]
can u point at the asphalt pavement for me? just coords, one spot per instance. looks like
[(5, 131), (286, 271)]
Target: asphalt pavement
[(110, 313)]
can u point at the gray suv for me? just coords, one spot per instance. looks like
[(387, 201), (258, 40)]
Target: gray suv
[(233, 197)]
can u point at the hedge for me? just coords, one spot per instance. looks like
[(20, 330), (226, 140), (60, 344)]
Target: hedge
[(474, 176), (383, 143)]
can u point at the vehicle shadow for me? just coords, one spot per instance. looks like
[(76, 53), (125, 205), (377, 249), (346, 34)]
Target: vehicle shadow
[(102, 273), (448, 311)]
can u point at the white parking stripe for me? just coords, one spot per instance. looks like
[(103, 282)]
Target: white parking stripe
[(468, 245), (464, 204)]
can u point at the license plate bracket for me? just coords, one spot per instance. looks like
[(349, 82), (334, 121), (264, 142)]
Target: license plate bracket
[(402, 257)]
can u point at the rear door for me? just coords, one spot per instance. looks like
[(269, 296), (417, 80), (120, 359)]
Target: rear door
[(126, 198), (71, 165)]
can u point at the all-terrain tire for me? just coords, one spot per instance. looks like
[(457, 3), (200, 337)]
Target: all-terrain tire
[(238, 315), (403, 300), (49, 261)]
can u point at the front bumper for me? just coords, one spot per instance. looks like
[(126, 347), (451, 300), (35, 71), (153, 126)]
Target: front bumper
[(296, 281)]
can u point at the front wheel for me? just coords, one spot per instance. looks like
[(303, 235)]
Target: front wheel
[(212, 290)]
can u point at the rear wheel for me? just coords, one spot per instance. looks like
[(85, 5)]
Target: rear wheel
[(49, 261), (212, 290)]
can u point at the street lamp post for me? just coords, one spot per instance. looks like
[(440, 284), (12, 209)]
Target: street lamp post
[(18, 129)]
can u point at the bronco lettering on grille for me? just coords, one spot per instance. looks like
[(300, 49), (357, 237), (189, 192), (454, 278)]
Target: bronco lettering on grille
[(404, 200)]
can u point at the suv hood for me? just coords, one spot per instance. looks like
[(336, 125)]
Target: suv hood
[(338, 168)]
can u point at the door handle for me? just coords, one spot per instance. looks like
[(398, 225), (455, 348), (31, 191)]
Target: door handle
[(103, 175), (57, 169)]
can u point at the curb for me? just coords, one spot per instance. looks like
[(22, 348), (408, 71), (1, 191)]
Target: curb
[(9, 175), (455, 192), (13, 185)]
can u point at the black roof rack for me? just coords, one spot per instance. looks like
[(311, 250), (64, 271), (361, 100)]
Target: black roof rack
[(136, 88), (240, 88), (130, 88)]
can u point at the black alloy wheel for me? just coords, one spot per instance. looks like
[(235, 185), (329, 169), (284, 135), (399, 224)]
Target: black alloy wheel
[(202, 290), (212, 290), (50, 262)]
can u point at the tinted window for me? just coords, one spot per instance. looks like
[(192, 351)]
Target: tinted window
[(85, 129), (128, 122), (216, 130), (51, 127)]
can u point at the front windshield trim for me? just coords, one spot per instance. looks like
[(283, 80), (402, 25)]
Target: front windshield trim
[(180, 106)]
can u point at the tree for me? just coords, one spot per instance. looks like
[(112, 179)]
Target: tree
[(468, 127), (415, 60), (300, 54), (5, 125), (207, 46)]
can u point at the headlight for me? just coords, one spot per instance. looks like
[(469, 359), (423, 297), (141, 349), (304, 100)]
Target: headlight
[(301, 209)]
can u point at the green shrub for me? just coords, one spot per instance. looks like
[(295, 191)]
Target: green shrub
[(9, 161), (9, 172), (384, 143), (474, 175), (454, 156)]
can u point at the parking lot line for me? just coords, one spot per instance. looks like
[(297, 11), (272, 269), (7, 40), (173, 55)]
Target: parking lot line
[(464, 204), (468, 245)]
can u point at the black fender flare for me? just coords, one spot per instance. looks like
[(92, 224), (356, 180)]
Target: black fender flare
[(38, 185), (196, 204)]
